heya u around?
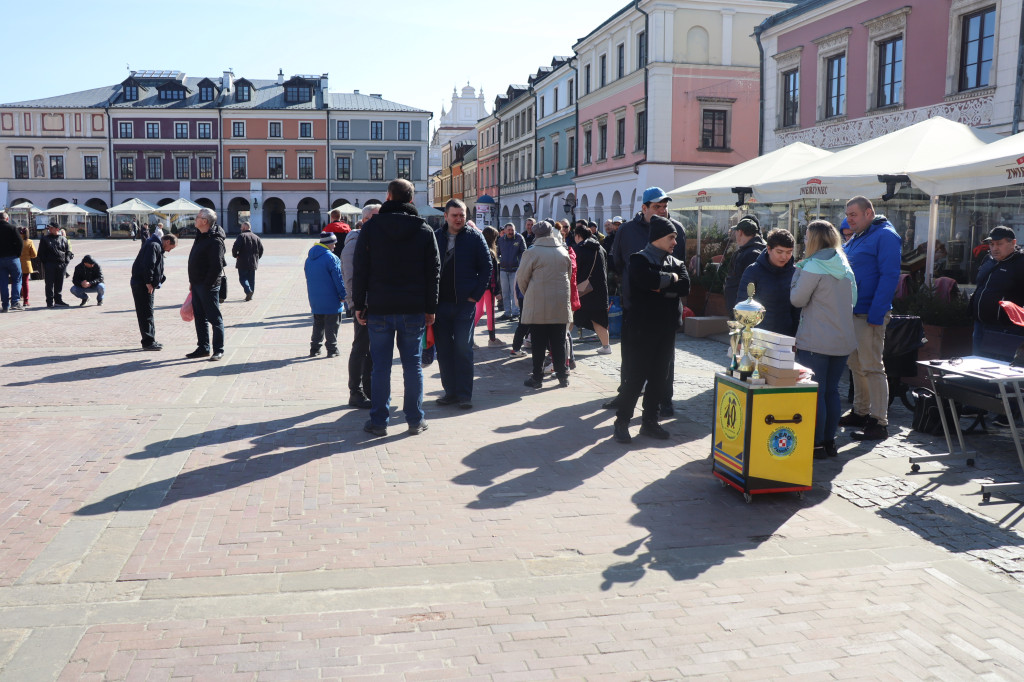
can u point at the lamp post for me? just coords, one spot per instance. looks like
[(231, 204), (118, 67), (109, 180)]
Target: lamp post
[(570, 207)]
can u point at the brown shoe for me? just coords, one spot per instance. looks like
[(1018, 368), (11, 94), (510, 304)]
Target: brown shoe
[(872, 431), (851, 418)]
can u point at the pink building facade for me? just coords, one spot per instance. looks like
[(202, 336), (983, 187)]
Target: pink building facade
[(840, 73), (668, 93)]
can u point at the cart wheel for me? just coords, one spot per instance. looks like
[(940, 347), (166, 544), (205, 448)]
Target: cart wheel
[(800, 495), (748, 497), (970, 461), (985, 497), (721, 483), (915, 467)]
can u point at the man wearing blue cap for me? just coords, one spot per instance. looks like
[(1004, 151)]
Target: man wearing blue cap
[(631, 238)]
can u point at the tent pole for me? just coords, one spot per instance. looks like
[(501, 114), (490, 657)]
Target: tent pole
[(700, 215), (933, 232)]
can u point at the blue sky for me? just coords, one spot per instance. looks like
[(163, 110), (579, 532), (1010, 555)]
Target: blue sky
[(415, 54)]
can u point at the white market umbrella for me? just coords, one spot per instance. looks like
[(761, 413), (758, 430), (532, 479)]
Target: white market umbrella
[(854, 171), (715, 191), (26, 206), (178, 207), (998, 164), (132, 207), (349, 211), (67, 209)]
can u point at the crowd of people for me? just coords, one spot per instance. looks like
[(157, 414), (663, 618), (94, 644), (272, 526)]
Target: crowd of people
[(412, 286)]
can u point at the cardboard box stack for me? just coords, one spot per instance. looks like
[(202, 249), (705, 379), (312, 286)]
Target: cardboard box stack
[(779, 366)]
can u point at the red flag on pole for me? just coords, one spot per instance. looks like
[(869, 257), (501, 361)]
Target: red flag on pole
[(1014, 312)]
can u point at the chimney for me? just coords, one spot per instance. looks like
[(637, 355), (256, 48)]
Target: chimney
[(323, 83), (228, 82), (355, 92), (376, 94), (280, 76)]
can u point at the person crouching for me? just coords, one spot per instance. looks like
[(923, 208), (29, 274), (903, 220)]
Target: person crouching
[(656, 281)]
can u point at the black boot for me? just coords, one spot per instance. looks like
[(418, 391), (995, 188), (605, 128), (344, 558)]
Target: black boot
[(621, 433), (872, 431)]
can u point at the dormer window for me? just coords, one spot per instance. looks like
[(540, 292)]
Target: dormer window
[(172, 94), (298, 93), (206, 93), (131, 93), (243, 93)]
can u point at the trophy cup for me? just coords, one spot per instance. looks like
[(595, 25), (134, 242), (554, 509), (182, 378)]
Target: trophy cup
[(757, 352), (734, 342), (749, 314)]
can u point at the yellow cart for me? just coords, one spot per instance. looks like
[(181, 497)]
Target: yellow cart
[(763, 438)]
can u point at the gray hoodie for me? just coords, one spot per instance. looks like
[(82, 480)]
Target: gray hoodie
[(824, 288)]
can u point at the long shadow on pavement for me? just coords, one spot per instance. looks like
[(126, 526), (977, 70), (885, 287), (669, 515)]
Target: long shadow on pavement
[(242, 467), (103, 372), (67, 357)]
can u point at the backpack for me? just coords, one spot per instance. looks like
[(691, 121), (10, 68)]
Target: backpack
[(926, 413)]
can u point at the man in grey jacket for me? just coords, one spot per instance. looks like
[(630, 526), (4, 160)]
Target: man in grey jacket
[(632, 237), (511, 247), (360, 365)]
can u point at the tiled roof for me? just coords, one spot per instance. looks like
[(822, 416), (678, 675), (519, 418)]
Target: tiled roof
[(97, 97), (352, 101)]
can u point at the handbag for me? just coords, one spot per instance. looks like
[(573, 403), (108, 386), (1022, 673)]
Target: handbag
[(585, 287), (186, 309)]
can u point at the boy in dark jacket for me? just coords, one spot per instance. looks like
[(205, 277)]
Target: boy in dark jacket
[(771, 274), (88, 279), (656, 282)]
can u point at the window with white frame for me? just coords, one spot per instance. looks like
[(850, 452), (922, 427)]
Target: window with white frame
[(831, 60), (205, 167), (238, 129), (125, 130), (305, 129), (152, 131), (274, 129), (204, 131), (404, 168), (20, 167), (92, 167), (977, 48), (238, 168), (275, 168), (126, 167), (154, 168), (344, 167), (305, 168), (181, 168), (342, 130), (377, 168), (716, 123), (404, 130), (886, 36), (181, 131), (57, 167), (376, 130), (787, 65)]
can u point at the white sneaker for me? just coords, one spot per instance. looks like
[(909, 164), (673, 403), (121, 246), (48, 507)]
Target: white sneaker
[(495, 343), (518, 353), (604, 350)]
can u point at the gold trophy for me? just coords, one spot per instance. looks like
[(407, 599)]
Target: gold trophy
[(734, 342), (758, 353), (749, 314)]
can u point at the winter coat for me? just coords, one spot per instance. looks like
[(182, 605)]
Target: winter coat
[(395, 267), (875, 256), (55, 250), (543, 277), (28, 252), (633, 237), (92, 275), (574, 293), (324, 285), (346, 257), (743, 258), (592, 263), (466, 271), (342, 230), (10, 241), (999, 281), (206, 259), (247, 250), (510, 251), (148, 267), (824, 288), (654, 302), (771, 289)]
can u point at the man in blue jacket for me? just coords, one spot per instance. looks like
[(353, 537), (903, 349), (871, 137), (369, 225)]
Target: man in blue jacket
[(511, 247), (874, 253), (465, 272), (326, 291)]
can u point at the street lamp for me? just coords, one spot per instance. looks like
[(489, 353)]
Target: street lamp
[(570, 207)]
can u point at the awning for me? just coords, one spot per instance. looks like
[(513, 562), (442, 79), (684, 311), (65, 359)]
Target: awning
[(25, 206), (68, 209), (132, 207), (854, 171), (178, 207), (998, 164), (428, 212), (716, 191), (485, 199), (349, 211)]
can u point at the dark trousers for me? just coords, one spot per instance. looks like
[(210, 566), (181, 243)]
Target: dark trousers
[(360, 364), (325, 325), (546, 336), (144, 313), (206, 307), (627, 340), (521, 331), (650, 355), (53, 274)]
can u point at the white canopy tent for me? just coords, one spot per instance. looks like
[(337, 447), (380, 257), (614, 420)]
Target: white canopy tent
[(69, 209), (998, 164), (349, 211), (178, 207), (854, 171), (134, 207)]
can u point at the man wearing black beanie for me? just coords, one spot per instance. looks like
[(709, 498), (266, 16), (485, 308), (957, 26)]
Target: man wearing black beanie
[(656, 282)]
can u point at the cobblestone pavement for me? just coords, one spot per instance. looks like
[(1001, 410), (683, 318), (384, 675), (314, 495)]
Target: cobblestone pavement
[(164, 518)]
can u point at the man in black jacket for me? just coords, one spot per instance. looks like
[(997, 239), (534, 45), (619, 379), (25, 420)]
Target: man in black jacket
[(247, 250), (657, 280), (396, 270), (54, 254), (749, 245), (88, 279), (205, 270), (1000, 278), (10, 264), (147, 276)]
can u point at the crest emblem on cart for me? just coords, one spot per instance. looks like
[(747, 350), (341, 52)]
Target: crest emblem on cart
[(782, 442)]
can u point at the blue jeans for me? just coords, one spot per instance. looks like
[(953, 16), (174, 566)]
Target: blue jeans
[(206, 308), (384, 329), (83, 293), (10, 268), (828, 370), (247, 278), (453, 339), (508, 292)]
